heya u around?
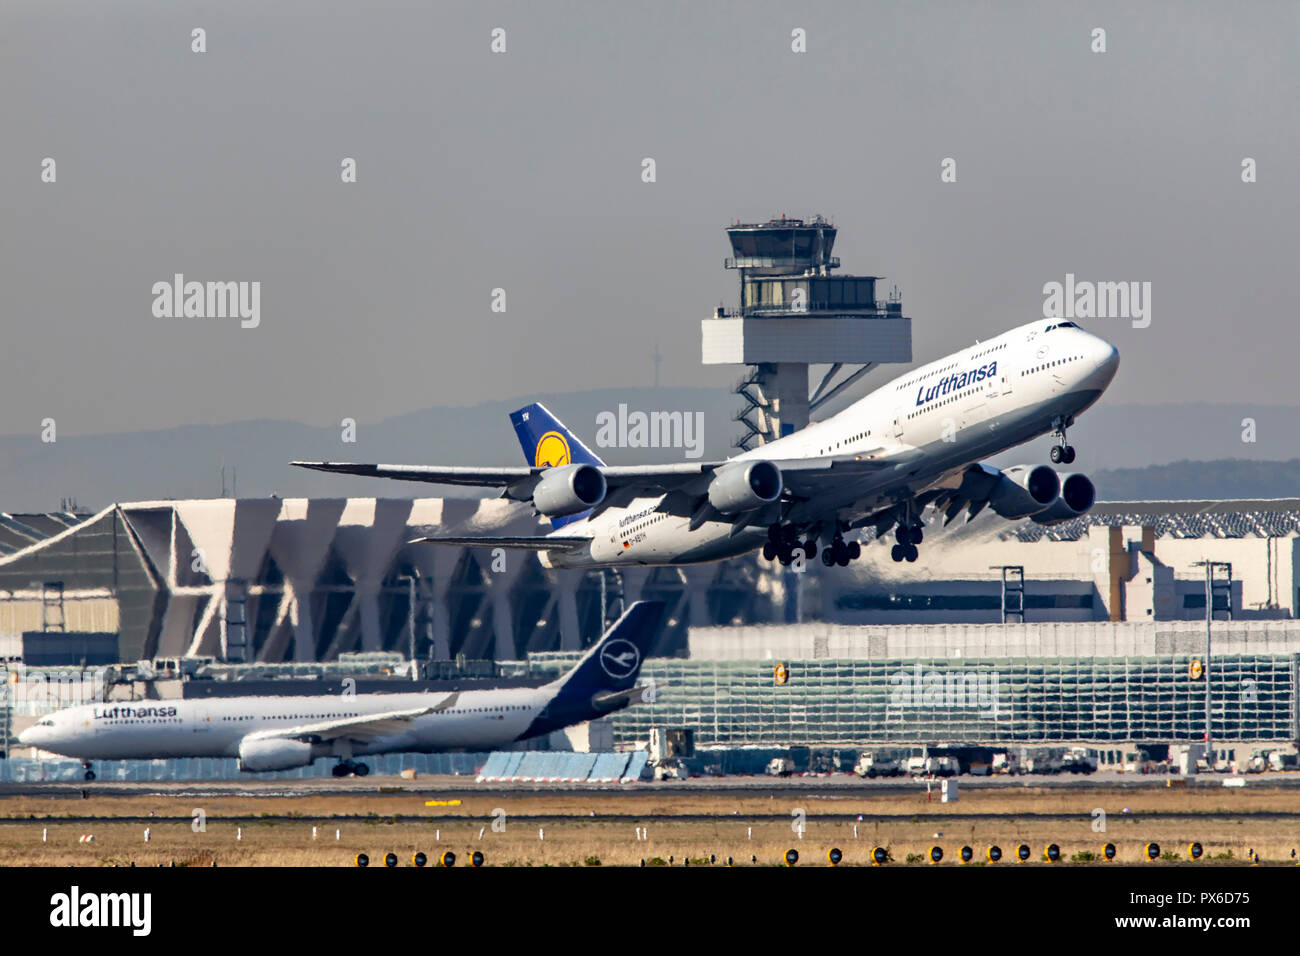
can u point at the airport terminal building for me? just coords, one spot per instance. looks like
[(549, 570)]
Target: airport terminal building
[(1018, 684), (306, 579), (1003, 632)]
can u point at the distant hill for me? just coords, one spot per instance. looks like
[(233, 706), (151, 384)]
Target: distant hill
[(1225, 478), (1115, 445)]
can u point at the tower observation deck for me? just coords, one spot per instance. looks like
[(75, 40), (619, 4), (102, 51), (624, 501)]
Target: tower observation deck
[(793, 314)]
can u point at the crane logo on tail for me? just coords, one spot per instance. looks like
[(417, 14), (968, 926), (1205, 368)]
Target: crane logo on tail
[(552, 451), (619, 658)]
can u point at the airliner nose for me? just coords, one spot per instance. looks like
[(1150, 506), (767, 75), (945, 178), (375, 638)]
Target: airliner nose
[(28, 736), (1107, 360)]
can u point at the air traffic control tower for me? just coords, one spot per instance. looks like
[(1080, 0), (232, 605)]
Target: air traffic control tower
[(794, 314)]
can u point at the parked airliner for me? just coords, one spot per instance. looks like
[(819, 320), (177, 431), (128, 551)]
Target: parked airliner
[(913, 443), (283, 732)]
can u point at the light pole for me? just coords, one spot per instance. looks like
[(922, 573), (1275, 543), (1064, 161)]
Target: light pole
[(1210, 567), (1209, 618), (410, 619)]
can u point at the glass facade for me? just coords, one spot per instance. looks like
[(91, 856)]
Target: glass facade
[(775, 242), (1006, 700), (817, 293)]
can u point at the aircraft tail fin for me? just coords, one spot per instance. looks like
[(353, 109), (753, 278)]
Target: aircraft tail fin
[(546, 442), (604, 679), (613, 662)]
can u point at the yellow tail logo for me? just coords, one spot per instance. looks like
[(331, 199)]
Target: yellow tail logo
[(552, 450)]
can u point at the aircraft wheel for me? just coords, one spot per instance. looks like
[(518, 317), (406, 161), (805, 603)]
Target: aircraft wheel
[(89, 775), (810, 548), (855, 551), (1056, 454), (769, 551), (827, 558), (361, 769), (339, 770), (897, 552), (785, 558), (918, 534), (1067, 455), (911, 554)]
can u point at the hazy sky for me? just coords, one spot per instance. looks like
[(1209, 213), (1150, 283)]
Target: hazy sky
[(522, 171)]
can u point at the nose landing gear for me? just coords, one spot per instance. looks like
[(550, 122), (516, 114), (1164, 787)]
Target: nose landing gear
[(1062, 453), (89, 774)]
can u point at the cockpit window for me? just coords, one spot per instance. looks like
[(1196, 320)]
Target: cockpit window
[(1061, 325), (47, 722)]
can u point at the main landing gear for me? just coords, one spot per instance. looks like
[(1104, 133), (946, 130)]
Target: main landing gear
[(89, 774), (782, 543), (908, 535), (841, 552), (345, 767), (1062, 452)]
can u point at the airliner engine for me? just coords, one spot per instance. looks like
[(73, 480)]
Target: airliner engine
[(745, 486), (1025, 490), (275, 753), (568, 489), (1077, 497)]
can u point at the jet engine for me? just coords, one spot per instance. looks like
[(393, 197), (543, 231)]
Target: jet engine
[(1077, 496), (1025, 490), (274, 753), (745, 486), (568, 489)]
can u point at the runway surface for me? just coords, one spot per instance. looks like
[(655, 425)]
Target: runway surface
[(466, 786)]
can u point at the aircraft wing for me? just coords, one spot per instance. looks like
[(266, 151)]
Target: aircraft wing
[(525, 542), (809, 477), (646, 478), (639, 478), (361, 727)]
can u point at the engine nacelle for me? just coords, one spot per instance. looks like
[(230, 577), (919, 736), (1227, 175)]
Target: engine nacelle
[(568, 489), (273, 754), (1077, 497), (745, 486), (1025, 490)]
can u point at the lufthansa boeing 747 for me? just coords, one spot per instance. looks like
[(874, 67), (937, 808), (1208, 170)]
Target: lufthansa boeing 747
[(912, 444)]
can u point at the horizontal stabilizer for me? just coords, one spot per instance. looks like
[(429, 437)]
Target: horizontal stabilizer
[(451, 475), (522, 542)]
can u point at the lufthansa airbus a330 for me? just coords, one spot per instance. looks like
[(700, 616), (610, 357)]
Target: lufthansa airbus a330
[(914, 443), (283, 732)]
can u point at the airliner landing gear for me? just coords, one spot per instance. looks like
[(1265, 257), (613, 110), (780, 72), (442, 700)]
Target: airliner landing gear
[(345, 767), (841, 552), (89, 774), (782, 543), (1062, 451), (909, 534)]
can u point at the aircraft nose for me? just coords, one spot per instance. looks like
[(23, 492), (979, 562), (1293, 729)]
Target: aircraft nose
[(28, 736), (1107, 359)]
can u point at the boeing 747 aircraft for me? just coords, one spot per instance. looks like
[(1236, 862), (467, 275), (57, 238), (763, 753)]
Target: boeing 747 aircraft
[(280, 733), (914, 443)]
